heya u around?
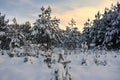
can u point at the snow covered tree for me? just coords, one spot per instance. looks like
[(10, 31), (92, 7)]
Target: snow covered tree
[(105, 30), (14, 21), (96, 31), (71, 36), (15, 26), (25, 29), (75, 37), (4, 40), (72, 23), (17, 40), (112, 35), (61, 68), (46, 29), (85, 37), (16, 35)]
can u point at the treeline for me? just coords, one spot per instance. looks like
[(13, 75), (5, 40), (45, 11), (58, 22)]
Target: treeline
[(103, 32)]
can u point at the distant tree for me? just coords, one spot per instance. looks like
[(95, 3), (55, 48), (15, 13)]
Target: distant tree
[(72, 23), (71, 36), (85, 38), (14, 21)]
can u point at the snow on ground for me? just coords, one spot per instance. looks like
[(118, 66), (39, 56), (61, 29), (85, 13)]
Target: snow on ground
[(15, 69), (96, 72)]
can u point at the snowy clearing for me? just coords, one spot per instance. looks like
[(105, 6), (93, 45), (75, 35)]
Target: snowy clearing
[(35, 69)]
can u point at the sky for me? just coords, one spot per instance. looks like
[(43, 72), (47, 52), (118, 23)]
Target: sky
[(65, 10)]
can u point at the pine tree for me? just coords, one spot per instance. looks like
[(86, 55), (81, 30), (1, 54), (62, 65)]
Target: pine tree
[(71, 36), (105, 30), (112, 35), (96, 31), (25, 29), (16, 35), (46, 29), (85, 38), (4, 40)]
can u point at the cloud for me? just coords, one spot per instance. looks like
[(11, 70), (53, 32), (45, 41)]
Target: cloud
[(65, 10), (81, 14), (80, 10), (21, 20)]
